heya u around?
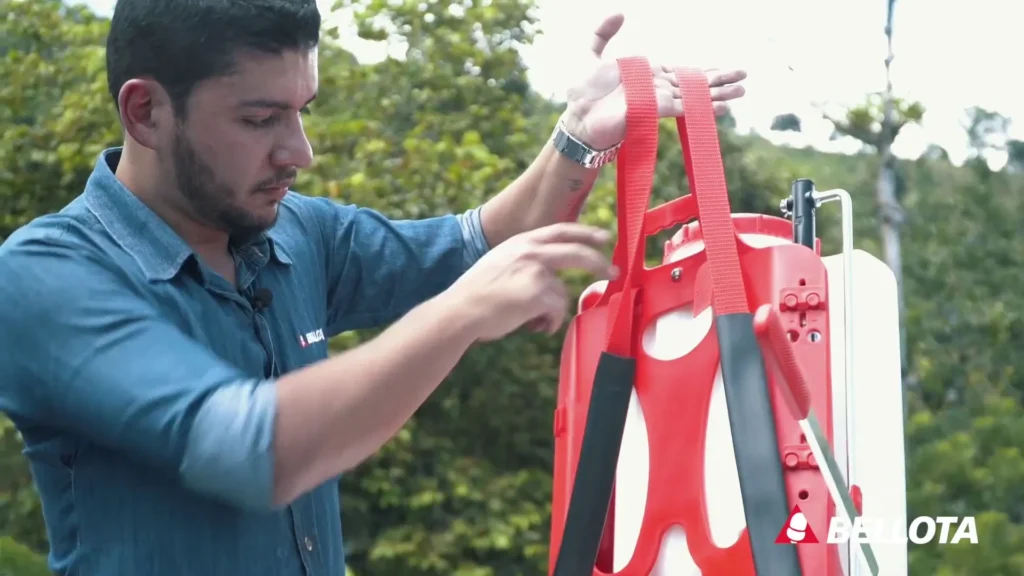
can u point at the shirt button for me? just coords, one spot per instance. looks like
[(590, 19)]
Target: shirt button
[(282, 553), (309, 544)]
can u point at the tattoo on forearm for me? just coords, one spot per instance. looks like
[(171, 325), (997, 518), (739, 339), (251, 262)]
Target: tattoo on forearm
[(575, 185)]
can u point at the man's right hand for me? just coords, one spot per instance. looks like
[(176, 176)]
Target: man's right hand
[(517, 282)]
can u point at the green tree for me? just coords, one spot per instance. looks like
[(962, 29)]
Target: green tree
[(963, 326), (55, 116), (16, 559)]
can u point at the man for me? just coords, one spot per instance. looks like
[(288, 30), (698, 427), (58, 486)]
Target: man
[(163, 345)]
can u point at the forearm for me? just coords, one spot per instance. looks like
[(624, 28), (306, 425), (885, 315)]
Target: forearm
[(334, 414), (551, 190)]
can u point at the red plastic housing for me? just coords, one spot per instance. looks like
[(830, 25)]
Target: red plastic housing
[(675, 395)]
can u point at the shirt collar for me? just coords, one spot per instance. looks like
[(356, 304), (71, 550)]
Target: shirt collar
[(158, 249)]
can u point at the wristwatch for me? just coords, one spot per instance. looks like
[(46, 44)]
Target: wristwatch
[(570, 147)]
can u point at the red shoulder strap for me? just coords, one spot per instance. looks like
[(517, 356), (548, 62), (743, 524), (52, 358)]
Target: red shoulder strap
[(636, 164), (702, 156), (635, 176)]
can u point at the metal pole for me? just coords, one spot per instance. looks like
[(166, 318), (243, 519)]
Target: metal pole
[(804, 231)]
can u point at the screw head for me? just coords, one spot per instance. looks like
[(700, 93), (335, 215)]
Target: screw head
[(786, 206)]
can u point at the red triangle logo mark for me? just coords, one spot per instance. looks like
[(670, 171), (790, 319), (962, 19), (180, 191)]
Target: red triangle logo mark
[(796, 530)]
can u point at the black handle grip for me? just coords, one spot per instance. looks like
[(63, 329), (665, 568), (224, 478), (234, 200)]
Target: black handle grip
[(595, 474), (752, 421)]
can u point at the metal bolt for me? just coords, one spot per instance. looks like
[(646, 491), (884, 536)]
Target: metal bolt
[(786, 207), (677, 273)]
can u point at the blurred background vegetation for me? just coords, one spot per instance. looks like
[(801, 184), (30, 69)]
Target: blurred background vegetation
[(464, 489)]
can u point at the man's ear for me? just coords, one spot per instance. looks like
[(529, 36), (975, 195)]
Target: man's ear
[(146, 111)]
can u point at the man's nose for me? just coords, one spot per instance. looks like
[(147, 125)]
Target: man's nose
[(294, 151)]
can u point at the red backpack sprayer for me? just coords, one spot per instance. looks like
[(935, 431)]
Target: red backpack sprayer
[(717, 412)]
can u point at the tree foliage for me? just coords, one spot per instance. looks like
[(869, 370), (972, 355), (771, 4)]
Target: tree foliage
[(53, 108), (464, 489), (786, 123), (864, 122)]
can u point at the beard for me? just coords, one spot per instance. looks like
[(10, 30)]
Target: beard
[(212, 201)]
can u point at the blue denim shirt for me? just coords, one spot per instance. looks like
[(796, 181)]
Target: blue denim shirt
[(142, 381)]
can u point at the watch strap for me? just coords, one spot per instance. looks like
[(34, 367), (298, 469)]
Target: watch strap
[(572, 148)]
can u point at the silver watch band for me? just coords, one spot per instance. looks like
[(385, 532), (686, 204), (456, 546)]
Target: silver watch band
[(578, 152)]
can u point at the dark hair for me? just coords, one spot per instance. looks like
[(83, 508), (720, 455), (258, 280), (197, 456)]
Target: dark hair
[(180, 43)]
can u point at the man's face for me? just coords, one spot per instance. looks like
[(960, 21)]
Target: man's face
[(241, 144)]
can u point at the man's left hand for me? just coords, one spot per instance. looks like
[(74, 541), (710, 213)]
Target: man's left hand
[(596, 110)]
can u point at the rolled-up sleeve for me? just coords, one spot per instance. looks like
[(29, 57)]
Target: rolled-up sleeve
[(378, 269), (84, 350)]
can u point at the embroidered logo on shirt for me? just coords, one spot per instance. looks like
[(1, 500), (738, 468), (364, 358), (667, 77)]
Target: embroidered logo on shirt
[(311, 337)]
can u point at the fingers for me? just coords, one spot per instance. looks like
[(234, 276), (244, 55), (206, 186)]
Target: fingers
[(673, 107), (723, 88), (723, 85), (670, 104), (569, 256), (553, 304), (666, 88), (605, 32), (569, 232), (726, 93), (538, 324), (569, 245), (716, 78), (722, 78), (665, 73), (667, 83), (723, 94)]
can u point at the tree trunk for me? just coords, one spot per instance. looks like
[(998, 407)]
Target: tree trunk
[(890, 212)]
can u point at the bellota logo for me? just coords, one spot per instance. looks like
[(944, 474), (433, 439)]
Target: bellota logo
[(864, 530), (922, 530), (797, 530)]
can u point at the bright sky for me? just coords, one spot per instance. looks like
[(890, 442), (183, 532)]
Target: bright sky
[(948, 55)]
